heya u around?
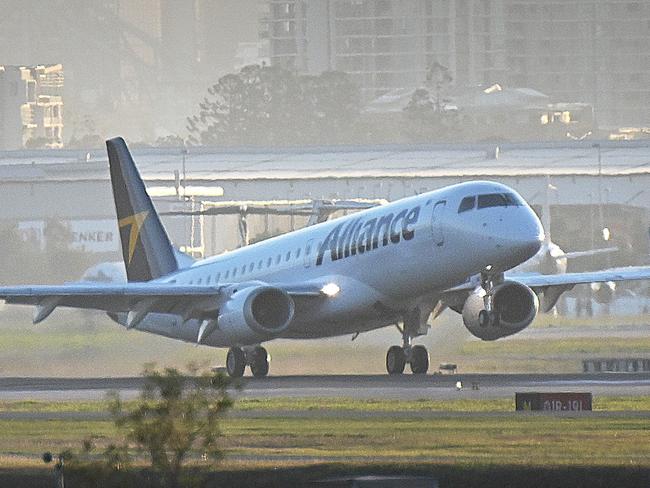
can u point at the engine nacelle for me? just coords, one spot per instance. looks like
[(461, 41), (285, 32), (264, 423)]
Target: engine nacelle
[(255, 314), (514, 304)]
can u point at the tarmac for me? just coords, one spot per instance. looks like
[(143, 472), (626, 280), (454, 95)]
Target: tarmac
[(405, 387)]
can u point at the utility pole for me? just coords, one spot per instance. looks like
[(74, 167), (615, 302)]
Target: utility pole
[(600, 190)]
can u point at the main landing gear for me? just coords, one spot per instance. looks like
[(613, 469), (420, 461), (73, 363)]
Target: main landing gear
[(256, 357), (416, 357)]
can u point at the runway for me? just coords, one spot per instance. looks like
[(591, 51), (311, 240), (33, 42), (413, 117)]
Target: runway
[(407, 387)]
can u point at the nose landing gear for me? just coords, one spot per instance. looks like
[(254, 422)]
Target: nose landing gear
[(489, 316)]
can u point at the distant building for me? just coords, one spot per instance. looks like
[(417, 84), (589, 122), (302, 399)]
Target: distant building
[(31, 106), (251, 53), (585, 51), (491, 113), (134, 67)]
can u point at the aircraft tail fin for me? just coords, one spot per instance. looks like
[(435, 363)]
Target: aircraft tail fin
[(148, 253)]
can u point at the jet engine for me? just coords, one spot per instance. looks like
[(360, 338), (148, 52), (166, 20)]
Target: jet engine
[(514, 307), (255, 314)]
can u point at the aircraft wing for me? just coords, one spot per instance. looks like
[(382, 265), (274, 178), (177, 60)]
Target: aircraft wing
[(136, 298), (539, 281), (550, 287), (592, 252), (159, 297)]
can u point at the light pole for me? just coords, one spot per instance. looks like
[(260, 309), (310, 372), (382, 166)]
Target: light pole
[(600, 187), (184, 153)]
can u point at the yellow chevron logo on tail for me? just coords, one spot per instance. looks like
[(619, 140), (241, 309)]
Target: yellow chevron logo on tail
[(136, 222)]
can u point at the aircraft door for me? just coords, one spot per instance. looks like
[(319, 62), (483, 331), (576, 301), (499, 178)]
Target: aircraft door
[(436, 222), (309, 252)]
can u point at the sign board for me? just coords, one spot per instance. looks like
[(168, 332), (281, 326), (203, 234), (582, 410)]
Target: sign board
[(553, 402), (100, 235), (95, 235), (32, 232)]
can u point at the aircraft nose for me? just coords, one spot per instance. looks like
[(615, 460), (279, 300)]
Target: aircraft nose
[(526, 237)]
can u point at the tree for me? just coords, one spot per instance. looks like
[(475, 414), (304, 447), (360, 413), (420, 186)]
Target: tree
[(62, 262), (271, 105), (22, 260), (439, 77), (420, 104), (227, 115), (428, 113), (172, 141), (174, 415), (335, 105)]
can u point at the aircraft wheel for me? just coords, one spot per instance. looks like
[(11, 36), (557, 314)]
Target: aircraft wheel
[(484, 318), (488, 319), (494, 319), (395, 360), (260, 362), (419, 360), (235, 362)]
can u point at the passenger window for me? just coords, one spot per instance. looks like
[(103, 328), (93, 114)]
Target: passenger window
[(288, 256), (199, 282), (234, 272), (278, 259), (251, 267), (297, 253), (243, 269), (269, 262), (259, 265), (226, 275), (207, 282), (308, 249), (217, 278), (466, 204)]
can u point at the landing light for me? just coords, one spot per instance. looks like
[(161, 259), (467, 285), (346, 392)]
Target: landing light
[(330, 289)]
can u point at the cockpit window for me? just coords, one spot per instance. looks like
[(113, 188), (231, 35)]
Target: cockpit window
[(467, 204), (498, 200)]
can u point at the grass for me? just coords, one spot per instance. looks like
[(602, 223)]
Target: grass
[(276, 449), (515, 438), (342, 404), (548, 320), (570, 346), (77, 344), (521, 440), (540, 441)]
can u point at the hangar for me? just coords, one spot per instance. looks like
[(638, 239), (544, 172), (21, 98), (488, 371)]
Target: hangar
[(589, 185)]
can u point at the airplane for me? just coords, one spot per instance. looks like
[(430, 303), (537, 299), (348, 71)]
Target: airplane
[(551, 258), (392, 265)]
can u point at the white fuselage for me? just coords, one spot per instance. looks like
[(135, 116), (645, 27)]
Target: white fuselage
[(385, 260)]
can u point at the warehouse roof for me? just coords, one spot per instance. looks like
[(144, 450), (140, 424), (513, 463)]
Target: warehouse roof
[(570, 158)]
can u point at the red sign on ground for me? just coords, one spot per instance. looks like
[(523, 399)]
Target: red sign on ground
[(554, 402)]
